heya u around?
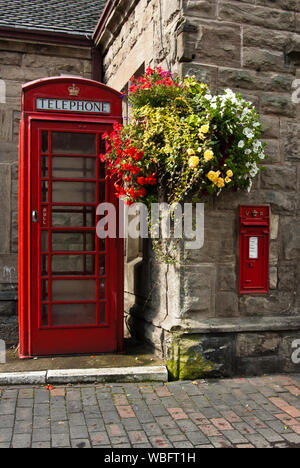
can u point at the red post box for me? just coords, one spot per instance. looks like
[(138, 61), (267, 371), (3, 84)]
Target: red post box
[(254, 249), (70, 281)]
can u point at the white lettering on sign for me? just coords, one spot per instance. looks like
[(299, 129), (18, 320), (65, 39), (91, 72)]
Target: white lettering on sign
[(68, 105), (253, 247)]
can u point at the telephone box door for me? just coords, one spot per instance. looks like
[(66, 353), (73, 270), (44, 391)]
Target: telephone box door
[(74, 281)]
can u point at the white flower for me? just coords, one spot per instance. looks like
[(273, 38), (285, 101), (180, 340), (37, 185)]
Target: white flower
[(248, 151), (262, 155), (241, 144), (208, 97), (248, 133), (257, 145), (254, 170), (256, 124)]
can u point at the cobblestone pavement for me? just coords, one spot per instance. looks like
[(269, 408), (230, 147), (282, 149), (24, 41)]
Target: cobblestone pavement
[(253, 412)]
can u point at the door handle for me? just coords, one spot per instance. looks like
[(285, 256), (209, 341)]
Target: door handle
[(35, 216)]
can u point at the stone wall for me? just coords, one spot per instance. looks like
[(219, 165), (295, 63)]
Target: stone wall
[(21, 62), (193, 314)]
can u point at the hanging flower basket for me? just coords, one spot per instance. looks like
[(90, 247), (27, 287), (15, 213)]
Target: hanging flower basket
[(182, 142)]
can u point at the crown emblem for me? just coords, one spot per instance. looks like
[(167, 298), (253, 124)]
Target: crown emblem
[(74, 90)]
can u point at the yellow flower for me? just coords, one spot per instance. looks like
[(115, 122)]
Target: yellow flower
[(204, 129), (220, 182), (227, 180), (194, 162), (202, 136), (213, 176), (208, 155), (229, 173), (190, 152)]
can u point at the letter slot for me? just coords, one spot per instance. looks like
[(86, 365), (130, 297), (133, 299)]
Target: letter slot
[(254, 249)]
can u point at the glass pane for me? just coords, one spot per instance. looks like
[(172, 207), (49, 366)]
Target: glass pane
[(74, 192), (82, 265), (73, 143), (74, 168), (44, 241), (44, 141), (102, 312), (44, 166), (44, 265), (73, 241), (73, 216), (102, 289), (45, 315), (45, 296), (73, 290), (73, 314), (102, 265), (44, 188)]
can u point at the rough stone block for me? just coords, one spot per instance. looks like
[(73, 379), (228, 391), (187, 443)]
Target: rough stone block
[(272, 151), (276, 303), (216, 44), (290, 139), (273, 277), (279, 178), (226, 278), (258, 16), (291, 239), (270, 127), (275, 39), (256, 366), (292, 5), (227, 304), (8, 152), (274, 224), (197, 292), (8, 269), (278, 104), (8, 308), (210, 43), (200, 8), (6, 125), (222, 247), (204, 73), (266, 60), (5, 188), (286, 278), (250, 80), (257, 344), (9, 330)]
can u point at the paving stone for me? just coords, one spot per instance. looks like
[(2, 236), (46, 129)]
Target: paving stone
[(36, 418), (60, 440)]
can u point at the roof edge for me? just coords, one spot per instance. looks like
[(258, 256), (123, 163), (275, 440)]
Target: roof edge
[(39, 35)]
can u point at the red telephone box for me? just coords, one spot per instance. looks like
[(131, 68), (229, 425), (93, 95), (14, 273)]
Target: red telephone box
[(70, 281), (254, 249)]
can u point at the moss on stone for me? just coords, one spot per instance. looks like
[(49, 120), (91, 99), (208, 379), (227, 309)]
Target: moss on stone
[(186, 360)]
